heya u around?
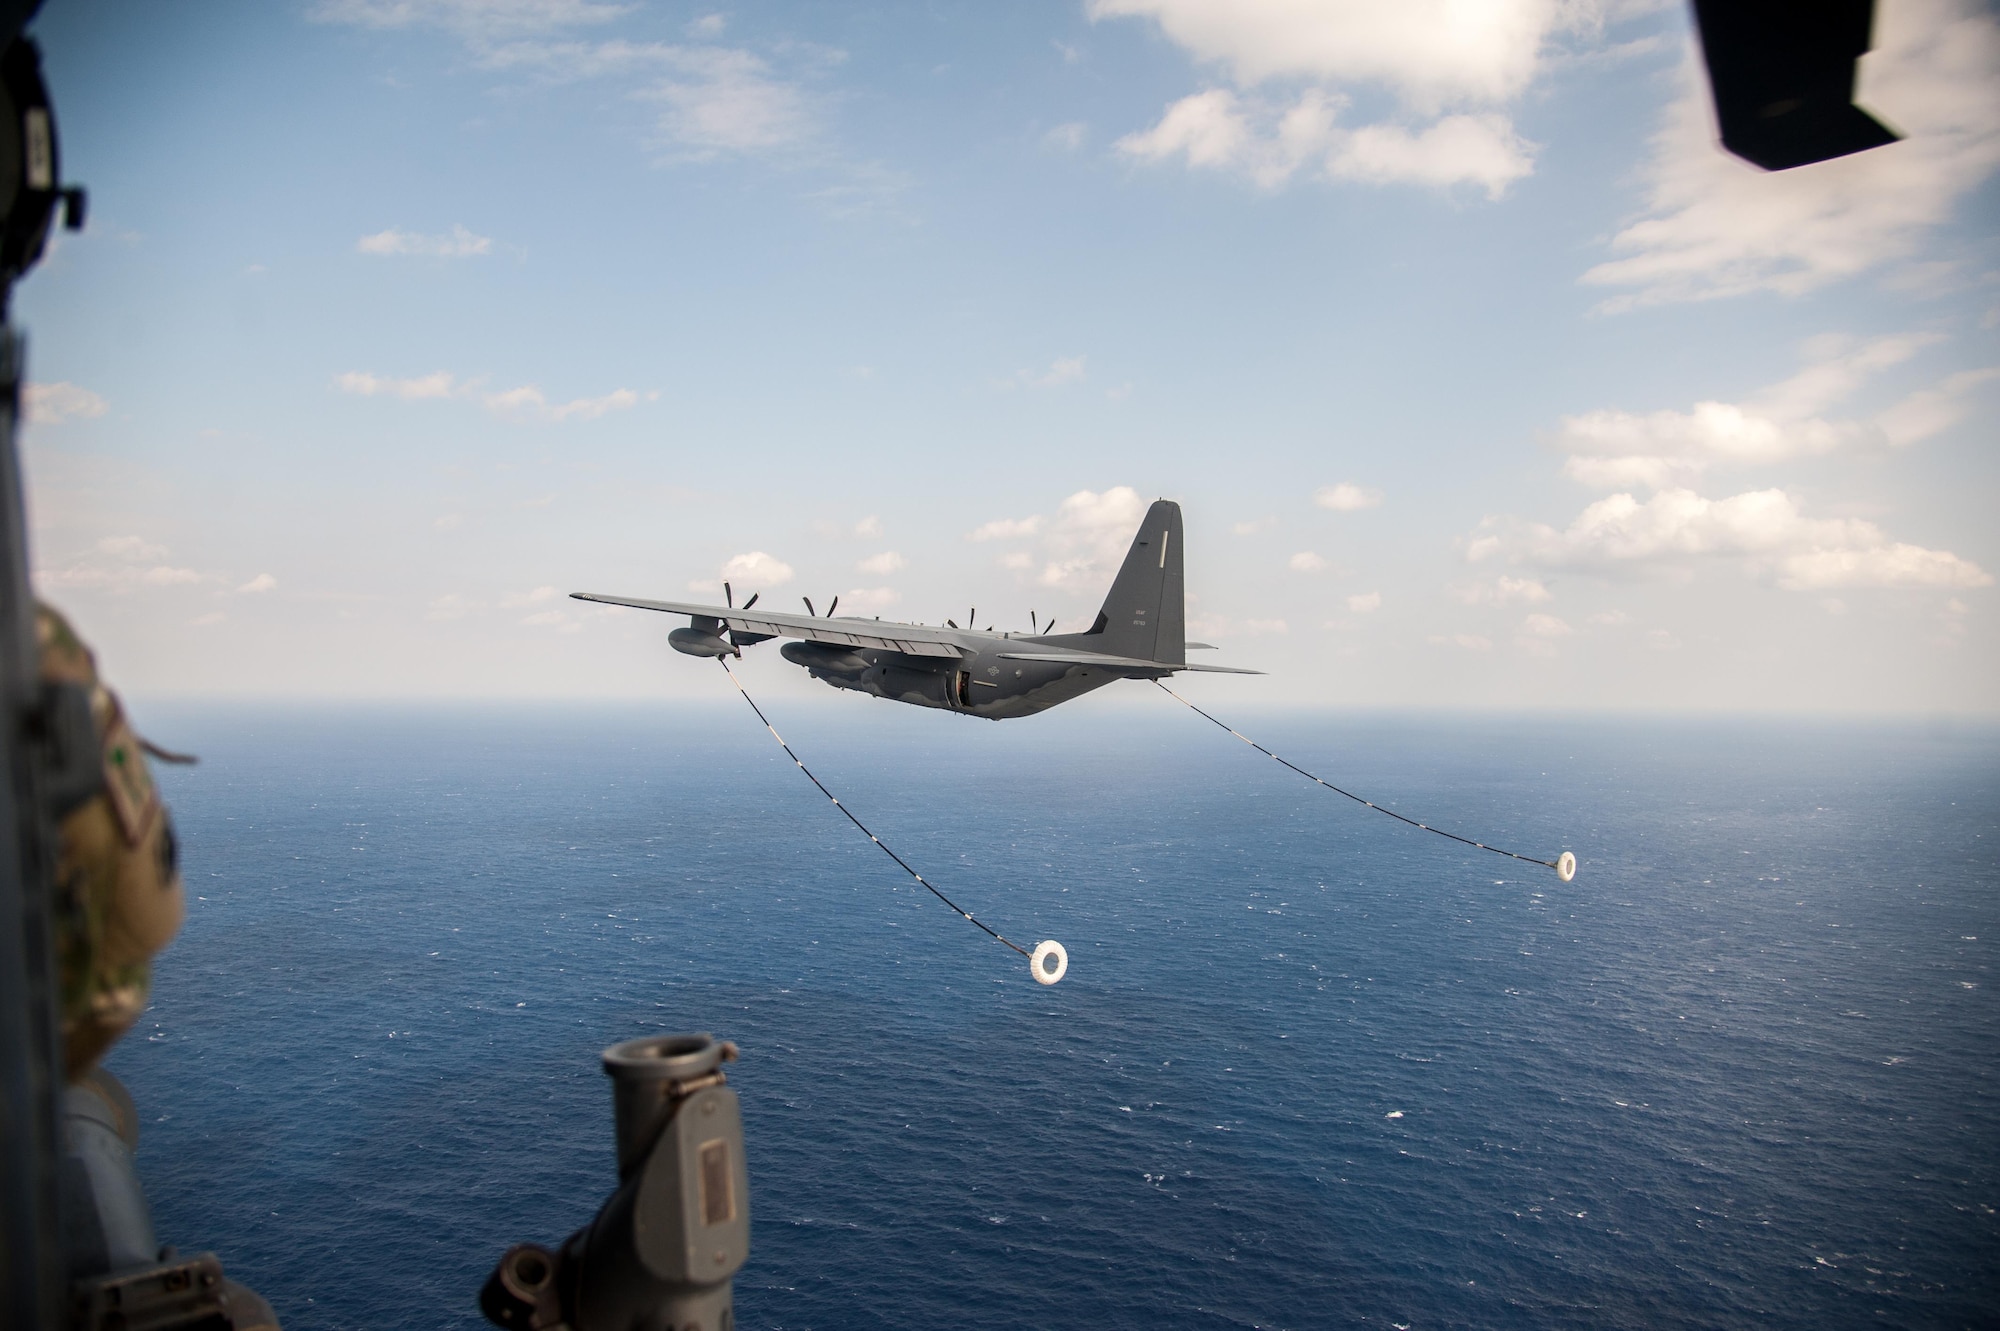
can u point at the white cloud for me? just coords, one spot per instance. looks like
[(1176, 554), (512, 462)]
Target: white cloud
[(726, 101), (1205, 627), (1763, 529), (1066, 138), (116, 578), (1080, 548), (1716, 226), (1614, 448), (1835, 367), (449, 522), (522, 600), (1254, 526), (559, 620), (883, 564), (1305, 561), (1346, 497), (1546, 626), (1066, 370), (263, 582), (1450, 65), (1953, 618), (1272, 142), (528, 402), (1933, 410), (1432, 52), (472, 19), (1005, 529), (869, 599), (714, 100), (568, 61), (1609, 449), (1478, 150), (869, 528), (755, 571), (1089, 536), (121, 564), (1877, 562), (1503, 590), (458, 243), (1220, 131), (52, 404), (364, 384), (1471, 642), (1364, 603), (132, 547), (716, 103), (451, 606)]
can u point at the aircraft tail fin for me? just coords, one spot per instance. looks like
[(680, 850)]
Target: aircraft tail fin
[(1145, 615)]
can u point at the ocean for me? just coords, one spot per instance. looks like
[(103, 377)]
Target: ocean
[(1310, 1067)]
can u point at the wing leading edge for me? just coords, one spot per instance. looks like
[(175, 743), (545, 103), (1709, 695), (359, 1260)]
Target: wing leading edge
[(910, 639)]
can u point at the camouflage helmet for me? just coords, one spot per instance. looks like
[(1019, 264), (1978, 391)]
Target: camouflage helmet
[(118, 897)]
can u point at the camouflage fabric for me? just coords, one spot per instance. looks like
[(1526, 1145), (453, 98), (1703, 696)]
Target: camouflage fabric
[(118, 897)]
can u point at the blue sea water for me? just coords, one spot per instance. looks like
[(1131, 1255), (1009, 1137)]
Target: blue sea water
[(1310, 1068)]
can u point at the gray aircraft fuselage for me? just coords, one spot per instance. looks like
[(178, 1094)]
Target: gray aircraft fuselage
[(980, 683), (1139, 634)]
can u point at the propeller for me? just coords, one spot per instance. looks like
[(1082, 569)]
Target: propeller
[(741, 639), (835, 606), (952, 622), (1031, 622), (972, 620), (809, 606)]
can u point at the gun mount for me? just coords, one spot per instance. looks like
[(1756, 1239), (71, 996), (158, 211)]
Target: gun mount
[(662, 1253)]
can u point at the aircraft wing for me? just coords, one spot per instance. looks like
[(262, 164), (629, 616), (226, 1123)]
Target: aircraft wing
[(910, 639), (1121, 662)]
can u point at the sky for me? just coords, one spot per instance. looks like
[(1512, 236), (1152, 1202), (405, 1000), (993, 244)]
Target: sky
[(1484, 377)]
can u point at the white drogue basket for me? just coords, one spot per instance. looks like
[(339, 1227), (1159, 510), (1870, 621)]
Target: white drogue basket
[(1050, 963)]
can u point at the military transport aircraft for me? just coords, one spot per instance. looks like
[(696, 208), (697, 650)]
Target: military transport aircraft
[(1141, 633)]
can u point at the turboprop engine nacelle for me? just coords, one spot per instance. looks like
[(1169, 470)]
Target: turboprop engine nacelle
[(819, 656), (700, 642)]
